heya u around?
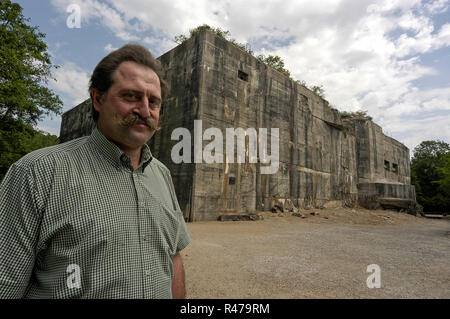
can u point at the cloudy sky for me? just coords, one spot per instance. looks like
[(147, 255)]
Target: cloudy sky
[(391, 58)]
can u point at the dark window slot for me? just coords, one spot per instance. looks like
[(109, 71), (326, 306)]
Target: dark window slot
[(395, 168), (243, 76)]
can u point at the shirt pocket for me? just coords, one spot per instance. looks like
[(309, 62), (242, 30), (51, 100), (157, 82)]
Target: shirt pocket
[(165, 224)]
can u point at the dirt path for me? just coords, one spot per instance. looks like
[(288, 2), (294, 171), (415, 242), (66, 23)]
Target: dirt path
[(323, 256)]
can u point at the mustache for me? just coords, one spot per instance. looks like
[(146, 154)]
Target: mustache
[(134, 118)]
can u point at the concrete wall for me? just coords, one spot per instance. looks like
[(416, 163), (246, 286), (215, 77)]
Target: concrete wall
[(381, 159), (76, 122), (317, 160), (383, 167), (179, 110), (323, 159)]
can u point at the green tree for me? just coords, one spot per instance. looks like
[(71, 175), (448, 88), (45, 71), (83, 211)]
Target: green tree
[(25, 69), (430, 174), (18, 139), (318, 90), (302, 82), (356, 115), (225, 34), (443, 169), (431, 149), (275, 62), (193, 32)]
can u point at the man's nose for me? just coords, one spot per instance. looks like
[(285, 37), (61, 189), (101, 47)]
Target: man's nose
[(144, 109)]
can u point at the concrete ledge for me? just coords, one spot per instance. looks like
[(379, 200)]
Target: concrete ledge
[(386, 190), (245, 217), (397, 203), (437, 216)]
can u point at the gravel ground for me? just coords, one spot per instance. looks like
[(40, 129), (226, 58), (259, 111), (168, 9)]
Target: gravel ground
[(324, 256)]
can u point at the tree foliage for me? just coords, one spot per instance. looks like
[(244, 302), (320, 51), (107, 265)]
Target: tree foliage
[(443, 169), (193, 32), (25, 68), (431, 149), (273, 61), (356, 115), (18, 139), (318, 90), (430, 174)]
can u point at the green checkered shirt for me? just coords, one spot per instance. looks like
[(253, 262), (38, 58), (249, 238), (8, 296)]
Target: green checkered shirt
[(77, 222)]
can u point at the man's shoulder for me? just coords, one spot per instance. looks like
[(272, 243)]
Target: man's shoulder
[(159, 165), (51, 154)]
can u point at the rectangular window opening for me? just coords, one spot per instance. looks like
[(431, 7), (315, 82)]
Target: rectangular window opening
[(243, 76), (232, 180), (387, 165), (395, 168)]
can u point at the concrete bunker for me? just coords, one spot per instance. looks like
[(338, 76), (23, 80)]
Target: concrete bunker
[(324, 159)]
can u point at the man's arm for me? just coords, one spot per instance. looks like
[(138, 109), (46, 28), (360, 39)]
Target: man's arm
[(19, 227), (178, 287)]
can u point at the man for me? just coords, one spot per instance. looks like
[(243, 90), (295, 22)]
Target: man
[(97, 217)]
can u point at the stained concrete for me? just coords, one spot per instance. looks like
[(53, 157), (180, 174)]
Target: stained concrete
[(323, 159)]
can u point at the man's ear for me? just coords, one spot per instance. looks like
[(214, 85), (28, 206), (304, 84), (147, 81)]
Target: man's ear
[(97, 100)]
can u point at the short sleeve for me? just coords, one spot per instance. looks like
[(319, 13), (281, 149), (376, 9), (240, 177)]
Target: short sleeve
[(183, 235), (19, 228)]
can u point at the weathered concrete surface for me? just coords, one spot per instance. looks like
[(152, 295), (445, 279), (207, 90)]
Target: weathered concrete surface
[(323, 161), (317, 160), (77, 122)]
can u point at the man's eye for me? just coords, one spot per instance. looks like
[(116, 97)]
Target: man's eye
[(130, 96), (154, 103)]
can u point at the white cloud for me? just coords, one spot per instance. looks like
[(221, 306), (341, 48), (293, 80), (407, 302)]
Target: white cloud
[(159, 45), (366, 53), (109, 48), (438, 6), (423, 101), (95, 10), (168, 18), (415, 130), (444, 35), (71, 84), (49, 127)]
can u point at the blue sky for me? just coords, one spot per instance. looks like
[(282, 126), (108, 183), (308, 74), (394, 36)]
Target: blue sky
[(391, 58)]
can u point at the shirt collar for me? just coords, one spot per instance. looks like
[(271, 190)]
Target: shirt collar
[(146, 156), (114, 155)]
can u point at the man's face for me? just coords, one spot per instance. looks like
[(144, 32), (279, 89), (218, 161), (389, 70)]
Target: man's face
[(133, 98)]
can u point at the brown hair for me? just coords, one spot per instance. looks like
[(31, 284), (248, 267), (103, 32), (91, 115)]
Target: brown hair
[(102, 77)]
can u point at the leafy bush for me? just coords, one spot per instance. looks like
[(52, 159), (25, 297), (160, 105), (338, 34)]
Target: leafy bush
[(430, 174)]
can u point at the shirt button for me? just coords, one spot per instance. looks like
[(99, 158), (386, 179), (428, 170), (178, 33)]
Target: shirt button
[(142, 204), (147, 272)]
